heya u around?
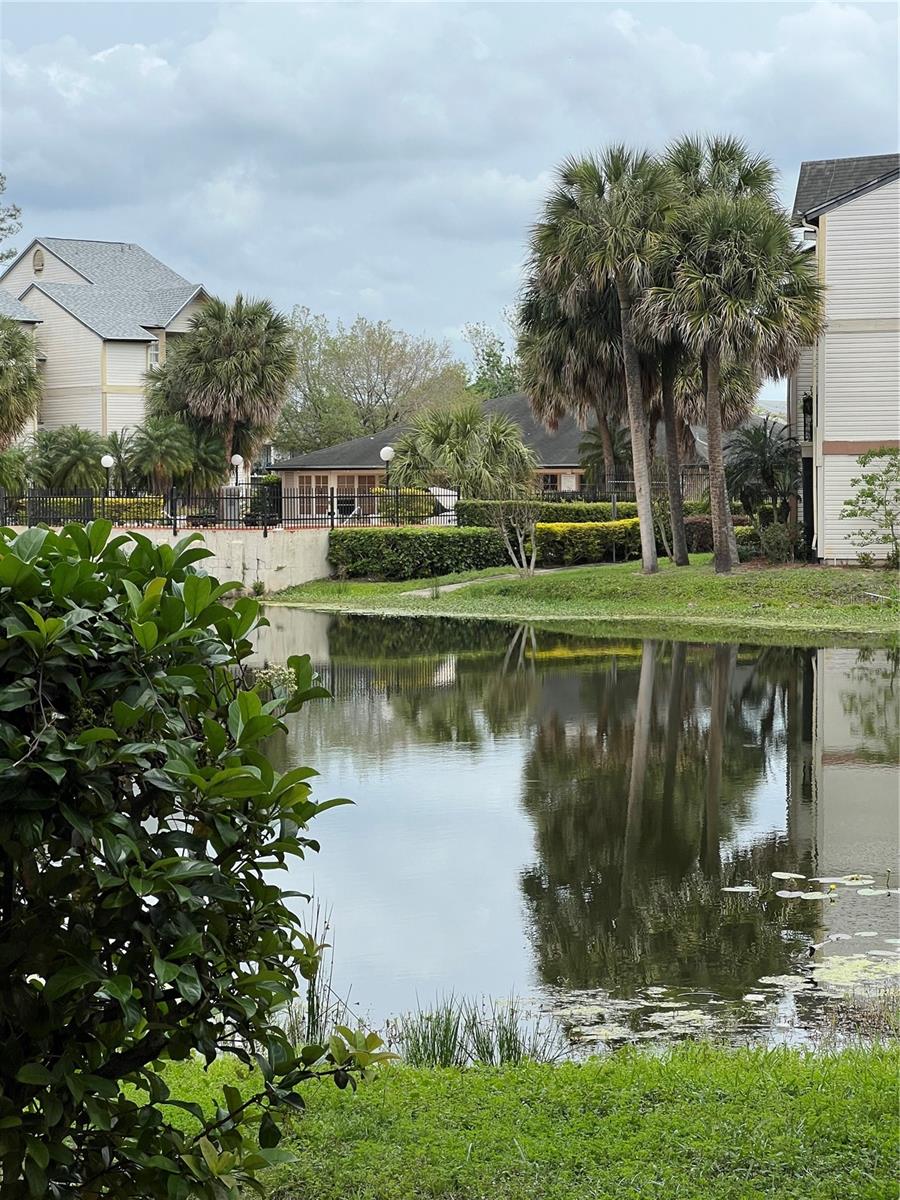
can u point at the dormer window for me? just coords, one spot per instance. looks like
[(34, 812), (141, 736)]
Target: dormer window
[(37, 261)]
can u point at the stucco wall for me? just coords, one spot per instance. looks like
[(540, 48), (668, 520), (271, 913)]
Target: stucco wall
[(284, 558)]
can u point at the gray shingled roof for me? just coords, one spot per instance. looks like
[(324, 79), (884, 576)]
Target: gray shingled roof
[(826, 179), (108, 311), (557, 449), (116, 264), (11, 307)]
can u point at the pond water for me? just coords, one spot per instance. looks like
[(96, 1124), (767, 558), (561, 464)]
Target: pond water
[(542, 814)]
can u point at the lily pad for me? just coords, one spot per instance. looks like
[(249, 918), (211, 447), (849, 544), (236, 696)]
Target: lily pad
[(755, 997), (869, 891), (839, 937), (813, 895), (741, 887), (788, 895), (786, 875), (866, 933)]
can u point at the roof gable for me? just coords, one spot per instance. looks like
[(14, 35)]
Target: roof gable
[(116, 264), (11, 307), (827, 181), (95, 309)]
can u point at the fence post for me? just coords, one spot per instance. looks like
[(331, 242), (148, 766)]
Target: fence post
[(173, 509), (615, 506), (396, 508), (331, 505)]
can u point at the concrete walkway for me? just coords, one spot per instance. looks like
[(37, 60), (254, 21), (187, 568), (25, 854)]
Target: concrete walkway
[(455, 587)]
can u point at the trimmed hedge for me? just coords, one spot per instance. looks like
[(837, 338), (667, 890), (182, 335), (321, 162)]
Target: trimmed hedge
[(479, 512), (566, 543), (414, 552)]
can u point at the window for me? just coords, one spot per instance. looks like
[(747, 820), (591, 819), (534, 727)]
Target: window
[(37, 261), (549, 483), (153, 354)]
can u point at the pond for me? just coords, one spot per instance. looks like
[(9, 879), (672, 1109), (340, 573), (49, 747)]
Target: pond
[(560, 818)]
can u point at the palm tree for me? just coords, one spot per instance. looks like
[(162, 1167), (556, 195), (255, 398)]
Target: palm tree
[(67, 459), (209, 466), (119, 445), (737, 290), (481, 455), (20, 380), (605, 456), (600, 226), (161, 450), (764, 464), (232, 369), (13, 470), (571, 360)]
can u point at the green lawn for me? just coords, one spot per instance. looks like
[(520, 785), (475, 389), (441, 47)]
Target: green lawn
[(698, 1123), (771, 604)]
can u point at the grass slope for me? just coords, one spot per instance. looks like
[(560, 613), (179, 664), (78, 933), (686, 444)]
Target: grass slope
[(699, 1123), (775, 604)]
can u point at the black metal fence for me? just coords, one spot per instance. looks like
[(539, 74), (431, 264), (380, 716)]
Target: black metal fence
[(694, 487), (268, 506)]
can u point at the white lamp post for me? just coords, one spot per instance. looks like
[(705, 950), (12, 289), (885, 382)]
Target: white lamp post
[(108, 462), (386, 454), (237, 461)]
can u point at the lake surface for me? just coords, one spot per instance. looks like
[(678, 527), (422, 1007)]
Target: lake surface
[(542, 814)]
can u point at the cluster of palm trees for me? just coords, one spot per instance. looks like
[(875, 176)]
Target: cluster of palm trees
[(664, 287), (219, 392)]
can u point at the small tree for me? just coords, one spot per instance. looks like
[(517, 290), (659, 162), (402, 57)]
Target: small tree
[(140, 919), (877, 501)]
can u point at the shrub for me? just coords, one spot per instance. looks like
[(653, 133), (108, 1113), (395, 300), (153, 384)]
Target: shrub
[(698, 531), (414, 552), (140, 921), (406, 506), (481, 512), (567, 543), (747, 537), (778, 542)]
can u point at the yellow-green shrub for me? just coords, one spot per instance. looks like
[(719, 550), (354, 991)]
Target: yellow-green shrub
[(566, 543)]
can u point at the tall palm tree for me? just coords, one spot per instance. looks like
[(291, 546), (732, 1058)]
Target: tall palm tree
[(600, 226), (209, 466), (232, 369), (480, 454), (20, 380), (161, 450), (571, 358), (737, 290)]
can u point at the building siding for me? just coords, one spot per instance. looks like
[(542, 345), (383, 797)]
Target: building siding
[(72, 369), (126, 364), (862, 385), (182, 320), (124, 410), (22, 274), (837, 471), (862, 264)]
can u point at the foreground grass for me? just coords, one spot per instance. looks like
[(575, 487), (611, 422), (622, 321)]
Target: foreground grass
[(773, 604), (698, 1123)]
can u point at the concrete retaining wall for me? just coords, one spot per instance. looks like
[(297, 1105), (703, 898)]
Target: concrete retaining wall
[(284, 558)]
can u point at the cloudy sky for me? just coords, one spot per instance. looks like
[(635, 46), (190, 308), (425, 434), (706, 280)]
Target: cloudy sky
[(388, 158)]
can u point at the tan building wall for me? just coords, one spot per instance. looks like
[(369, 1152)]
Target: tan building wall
[(72, 370), (23, 273)]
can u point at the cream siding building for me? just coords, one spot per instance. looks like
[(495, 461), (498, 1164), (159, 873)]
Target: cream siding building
[(849, 382), (106, 313)]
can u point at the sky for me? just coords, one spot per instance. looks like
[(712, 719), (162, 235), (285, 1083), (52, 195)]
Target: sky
[(388, 159)]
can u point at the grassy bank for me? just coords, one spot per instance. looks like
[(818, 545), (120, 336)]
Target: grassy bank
[(774, 604), (699, 1123)]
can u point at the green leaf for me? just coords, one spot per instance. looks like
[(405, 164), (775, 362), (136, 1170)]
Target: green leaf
[(99, 734), (67, 980), (146, 634), (118, 987), (35, 1073), (269, 1133)]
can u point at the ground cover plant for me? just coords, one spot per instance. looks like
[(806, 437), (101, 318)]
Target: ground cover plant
[(139, 919), (697, 1123), (764, 604)]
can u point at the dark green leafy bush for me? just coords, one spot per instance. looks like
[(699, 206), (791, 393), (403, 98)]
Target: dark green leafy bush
[(139, 918), (481, 512), (406, 506), (414, 552), (778, 542), (563, 544), (747, 537)]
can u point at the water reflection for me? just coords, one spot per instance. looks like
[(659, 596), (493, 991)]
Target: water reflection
[(542, 811)]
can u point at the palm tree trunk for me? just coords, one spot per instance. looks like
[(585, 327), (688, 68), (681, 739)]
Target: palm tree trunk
[(718, 495), (721, 682), (673, 466), (673, 733), (606, 442), (637, 419), (640, 749), (228, 439)]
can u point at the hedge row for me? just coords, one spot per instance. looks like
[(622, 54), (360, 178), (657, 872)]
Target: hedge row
[(414, 552), (481, 512), (562, 544)]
